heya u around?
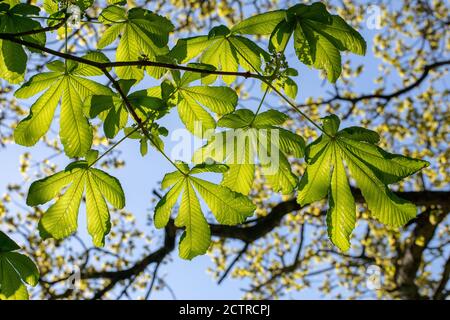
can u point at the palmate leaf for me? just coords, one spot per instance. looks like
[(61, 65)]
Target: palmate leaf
[(372, 169), (16, 270), (143, 35), (318, 35), (222, 49), (71, 89), (254, 136), (13, 58), (192, 100), (288, 85), (113, 111), (61, 218), (228, 207)]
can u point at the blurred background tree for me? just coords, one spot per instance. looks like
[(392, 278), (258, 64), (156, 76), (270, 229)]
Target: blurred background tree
[(401, 92)]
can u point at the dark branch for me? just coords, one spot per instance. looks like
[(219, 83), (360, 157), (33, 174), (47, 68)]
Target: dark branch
[(235, 260), (141, 63), (411, 256), (384, 96), (37, 31), (266, 224), (249, 234), (440, 293)]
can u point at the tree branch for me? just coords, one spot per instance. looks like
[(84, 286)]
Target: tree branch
[(386, 96), (272, 220), (247, 234), (235, 260), (440, 293), (37, 31), (140, 63), (410, 259)]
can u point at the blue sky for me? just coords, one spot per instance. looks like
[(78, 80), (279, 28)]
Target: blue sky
[(188, 279)]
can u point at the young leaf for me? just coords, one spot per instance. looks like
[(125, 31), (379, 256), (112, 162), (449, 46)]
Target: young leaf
[(113, 110), (16, 270), (256, 136), (69, 88), (371, 167), (228, 207), (262, 24), (143, 35), (50, 6), (318, 35), (191, 101), (60, 220), (154, 131), (222, 49), (13, 59)]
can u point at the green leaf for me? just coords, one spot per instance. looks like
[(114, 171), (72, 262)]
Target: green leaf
[(341, 217), (113, 14), (86, 70), (331, 124), (119, 2), (75, 130), (110, 188), (98, 219), (113, 110), (254, 136), (193, 99), (189, 77), (109, 36), (222, 49), (143, 147), (197, 235), (13, 58), (60, 220), (7, 244), (16, 270), (227, 206), (71, 90), (84, 4), (238, 119), (209, 167), (270, 118), (319, 36), (143, 35), (189, 48), (290, 88), (261, 24), (315, 49), (91, 156), (371, 167), (315, 182), (281, 35), (50, 6), (240, 177), (25, 9), (164, 207), (50, 187)]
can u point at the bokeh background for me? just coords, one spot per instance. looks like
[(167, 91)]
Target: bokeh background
[(399, 89)]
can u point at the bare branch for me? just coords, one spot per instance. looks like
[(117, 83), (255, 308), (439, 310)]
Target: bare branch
[(441, 293)]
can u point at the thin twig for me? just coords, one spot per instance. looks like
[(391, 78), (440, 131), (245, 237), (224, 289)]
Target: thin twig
[(235, 260), (152, 283)]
